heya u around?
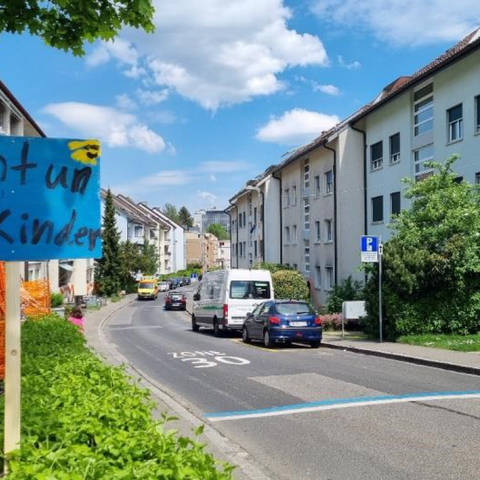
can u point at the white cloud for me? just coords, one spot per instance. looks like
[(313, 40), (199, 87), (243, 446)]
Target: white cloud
[(404, 22), (166, 178), (355, 65), (114, 127), (328, 89), (216, 52), (152, 97), (223, 166), (295, 127), (210, 198), (124, 102)]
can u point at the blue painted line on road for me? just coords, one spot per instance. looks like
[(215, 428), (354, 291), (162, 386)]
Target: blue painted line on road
[(340, 403)]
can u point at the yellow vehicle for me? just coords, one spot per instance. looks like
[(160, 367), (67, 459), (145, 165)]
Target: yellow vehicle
[(147, 288)]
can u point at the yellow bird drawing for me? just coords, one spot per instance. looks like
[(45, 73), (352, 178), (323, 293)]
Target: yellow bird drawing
[(85, 151)]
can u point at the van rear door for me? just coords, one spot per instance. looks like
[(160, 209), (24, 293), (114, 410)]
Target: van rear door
[(244, 296)]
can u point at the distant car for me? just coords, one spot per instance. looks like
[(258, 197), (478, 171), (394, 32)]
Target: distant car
[(284, 321), (163, 287), (175, 301)]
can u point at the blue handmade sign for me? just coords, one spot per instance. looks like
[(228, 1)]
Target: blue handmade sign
[(49, 198)]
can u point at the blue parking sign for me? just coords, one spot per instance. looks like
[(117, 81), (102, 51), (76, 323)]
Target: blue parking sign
[(369, 248)]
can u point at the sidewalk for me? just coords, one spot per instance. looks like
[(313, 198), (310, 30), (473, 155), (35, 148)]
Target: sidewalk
[(434, 357)]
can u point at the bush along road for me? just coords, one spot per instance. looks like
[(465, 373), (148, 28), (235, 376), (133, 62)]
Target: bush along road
[(82, 419)]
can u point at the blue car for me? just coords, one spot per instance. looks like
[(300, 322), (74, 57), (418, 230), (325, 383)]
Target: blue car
[(284, 321)]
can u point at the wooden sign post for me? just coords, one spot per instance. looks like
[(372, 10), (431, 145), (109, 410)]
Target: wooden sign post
[(12, 358), (49, 209)]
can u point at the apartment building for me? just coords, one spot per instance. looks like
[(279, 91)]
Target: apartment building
[(255, 222), (202, 248), (224, 254)]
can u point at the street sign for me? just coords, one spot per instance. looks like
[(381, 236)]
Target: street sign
[(49, 199), (369, 248)]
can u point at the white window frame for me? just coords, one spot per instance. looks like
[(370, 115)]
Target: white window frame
[(306, 214), (329, 184), (294, 234), (394, 157), (455, 127), (287, 198), (328, 230), (420, 162), (318, 232), (376, 164), (318, 184), (294, 195), (287, 236), (329, 278), (423, 108)]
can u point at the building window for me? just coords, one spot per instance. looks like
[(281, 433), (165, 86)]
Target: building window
[(255, 216), (477, 178), (376, 156), (287, 197), (377, 209), (307, 259), (317, 186), (294, 235), (394, 148), (329, 182), (306, 214), (138, 231), (458, 180), (255, 249), (306, 173), (395, 203), (241, 249), (287, 235), (421, 156), (244, 249), (294, 195), (239, 220), (455, 123), (329, 278), (423, 107), (244, 219), (328, 230), (318, 236), (477, 114), (318, 277), (295, 266)]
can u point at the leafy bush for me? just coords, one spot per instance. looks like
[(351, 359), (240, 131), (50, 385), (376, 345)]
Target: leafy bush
[(347, 290), (331, 321), (84, 419), (56, 300), (290, 285), (432, 261), (272, 267)]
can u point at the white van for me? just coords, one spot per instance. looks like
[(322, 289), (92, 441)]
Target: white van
[(224, 298)]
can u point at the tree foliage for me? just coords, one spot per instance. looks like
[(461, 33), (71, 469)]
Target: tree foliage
[(171, 212), (108, 270), (432, 261), (219, 231), (185, 219), (67, 24), (148, 259), (273, 267), (290, 285), (347, 290)]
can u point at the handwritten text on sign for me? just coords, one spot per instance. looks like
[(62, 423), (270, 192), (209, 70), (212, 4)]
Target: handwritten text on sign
[(49, 198)]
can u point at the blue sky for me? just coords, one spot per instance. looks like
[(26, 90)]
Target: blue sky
[(225, 87)]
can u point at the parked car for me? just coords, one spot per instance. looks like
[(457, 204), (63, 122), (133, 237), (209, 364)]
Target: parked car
[(163, 287), (176, 301), (174, 283), (283, 321), (224, 298)]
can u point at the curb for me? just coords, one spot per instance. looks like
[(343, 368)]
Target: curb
[(408, 359), (234, 453)]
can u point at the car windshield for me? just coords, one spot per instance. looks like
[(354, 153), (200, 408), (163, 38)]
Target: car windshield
[(293, 308), (249, 289), (146, 285)]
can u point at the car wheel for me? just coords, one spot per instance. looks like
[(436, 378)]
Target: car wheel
[(267, 340), (195, 327), (216, 329), (245, 337), (315, 343)]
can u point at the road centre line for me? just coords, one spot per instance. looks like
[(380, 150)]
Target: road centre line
[(340, 403)]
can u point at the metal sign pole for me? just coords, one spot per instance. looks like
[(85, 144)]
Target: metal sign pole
[(380, 309), (12, 358)]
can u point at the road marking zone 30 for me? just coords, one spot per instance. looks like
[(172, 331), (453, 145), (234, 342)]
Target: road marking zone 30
[(200, 360)]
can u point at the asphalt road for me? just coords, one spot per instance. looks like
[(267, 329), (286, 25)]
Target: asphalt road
[(306, 413)]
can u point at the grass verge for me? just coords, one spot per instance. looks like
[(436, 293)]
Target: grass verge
[(82, 419), (459, 343)]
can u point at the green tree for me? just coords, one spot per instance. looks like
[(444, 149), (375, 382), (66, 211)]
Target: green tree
[(219, 231), (432, 261), (130, 265), (148, 258), (273, 267), (171, 212), (107, 271), (67, 24), (290, 285), (186, 220), (347, 290)]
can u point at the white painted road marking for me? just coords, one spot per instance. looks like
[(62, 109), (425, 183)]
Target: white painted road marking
[(197, 359), (340, 403)]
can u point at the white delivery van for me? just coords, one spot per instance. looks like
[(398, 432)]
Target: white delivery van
[(224, 298)]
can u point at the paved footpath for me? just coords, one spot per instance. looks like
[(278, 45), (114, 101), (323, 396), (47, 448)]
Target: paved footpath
[(297, 413)]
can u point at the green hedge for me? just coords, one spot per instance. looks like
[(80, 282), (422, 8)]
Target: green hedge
[(82, 419), (290, 285)]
